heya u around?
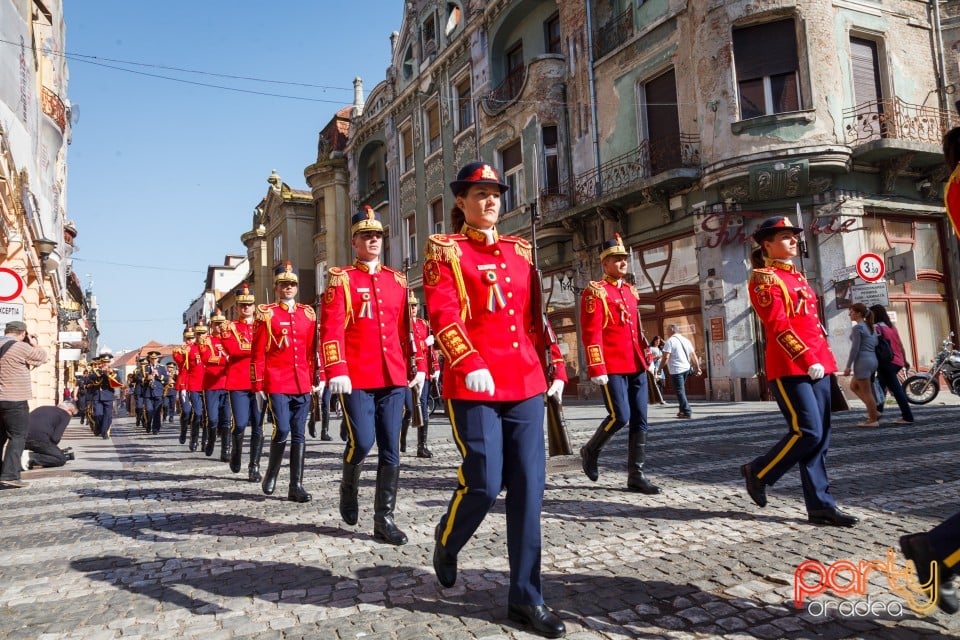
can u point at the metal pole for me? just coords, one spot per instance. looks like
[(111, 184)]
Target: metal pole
[(593, 100)]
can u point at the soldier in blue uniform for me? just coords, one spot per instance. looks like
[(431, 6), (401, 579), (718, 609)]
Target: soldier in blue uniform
[(82, 395), (138, 375), (101, 385), (170, 393), (154, 380)]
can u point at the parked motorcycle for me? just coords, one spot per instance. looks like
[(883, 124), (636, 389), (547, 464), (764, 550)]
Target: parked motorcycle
[(922, 388)]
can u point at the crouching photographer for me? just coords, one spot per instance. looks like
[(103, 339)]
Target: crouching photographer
[(47, 425)]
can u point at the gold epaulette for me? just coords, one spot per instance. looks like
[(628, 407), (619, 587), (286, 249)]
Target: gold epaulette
[(397, 275), (764, 275), (308, 311), (523, 247), (265, 311), (596, 289), (442, 247), (338, 277)]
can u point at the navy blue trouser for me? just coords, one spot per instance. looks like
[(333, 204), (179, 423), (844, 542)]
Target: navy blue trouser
[(197, 410), (373, 415), (805, 404), (170, 406), (625, 396), (151, 407), (103, 417), (218, 409), (945, 540), (246, 412), (502, 447), (887, 377), (290, 412)]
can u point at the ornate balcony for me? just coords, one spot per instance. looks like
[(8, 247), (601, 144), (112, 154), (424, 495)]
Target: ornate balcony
[(883, 130), (375, 195), (53, 107), (652, 164), (507, 91), (613, 34)]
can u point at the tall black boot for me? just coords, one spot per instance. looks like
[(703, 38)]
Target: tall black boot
[(184, 423), (384, 502), (211, 431), (225, 445), (256, 450), (590, 452), (422, 451), (236, 451), (204, 433), (297, 493), (349, 486), (194, 432), (325, 426), (343, 429), (273, 466), (636, 455), (405, 426)]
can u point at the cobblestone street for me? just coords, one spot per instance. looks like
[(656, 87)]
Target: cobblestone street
[(139, 538)]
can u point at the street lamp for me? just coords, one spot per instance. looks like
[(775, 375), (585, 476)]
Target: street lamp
[(44, 247), (568, 281)]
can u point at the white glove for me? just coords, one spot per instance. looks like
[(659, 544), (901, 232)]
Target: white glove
[(600, 381), (556, 389), (319, 388), (815, 371), (435, 375), (428, 341), (262, 397), (418, 380), (341, 385), (480, 381)]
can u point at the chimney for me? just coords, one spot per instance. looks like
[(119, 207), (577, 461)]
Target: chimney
[(357, 96), (394, 36)]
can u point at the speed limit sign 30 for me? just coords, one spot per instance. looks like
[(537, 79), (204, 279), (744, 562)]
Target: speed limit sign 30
[(870, 267)]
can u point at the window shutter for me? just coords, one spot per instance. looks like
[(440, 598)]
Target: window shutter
[(765, 49), (866, 71)]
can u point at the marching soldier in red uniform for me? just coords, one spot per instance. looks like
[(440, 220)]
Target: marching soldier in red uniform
[(429, 363), (478, 293), (798, 362), (181, 357), (215, 388), (237, 341), (283, 370), (610, 329), (364, 323), (194, 386)]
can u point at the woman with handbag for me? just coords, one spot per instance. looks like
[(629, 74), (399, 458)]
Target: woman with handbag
[(887, 372)]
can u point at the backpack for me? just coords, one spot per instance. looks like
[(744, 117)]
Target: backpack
[(884, 349)]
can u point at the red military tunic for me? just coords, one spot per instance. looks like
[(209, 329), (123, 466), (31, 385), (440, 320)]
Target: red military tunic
[(787, 306), (284, 349), (180, 356), (951, 199), (364, 333), (214, 364), (237, 341), (427, 360), (610, 327), (478, 297), (194, 369)]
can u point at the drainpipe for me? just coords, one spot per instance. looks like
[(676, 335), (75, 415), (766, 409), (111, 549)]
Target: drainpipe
[(941, 64), (593, 98)]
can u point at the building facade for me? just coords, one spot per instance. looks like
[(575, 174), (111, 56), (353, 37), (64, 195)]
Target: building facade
[(682, 125)]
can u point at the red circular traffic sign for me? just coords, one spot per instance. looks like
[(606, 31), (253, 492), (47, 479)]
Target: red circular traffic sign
[(870, 267), (11, 284)]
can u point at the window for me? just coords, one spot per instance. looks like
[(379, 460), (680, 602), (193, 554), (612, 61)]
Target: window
[(410, 224), (429, 35), (464, 104), (436, 215), (551, 163), (551, 32), (406, 147), (767, 69), (432, 126), (277, 248), (408, 62), (453, 18), (512, 160)]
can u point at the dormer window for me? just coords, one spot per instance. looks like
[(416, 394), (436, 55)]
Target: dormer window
[(429, 35), (407, 66)]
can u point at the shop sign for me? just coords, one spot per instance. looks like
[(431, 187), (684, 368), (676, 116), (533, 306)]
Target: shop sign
[(850, 292), (69, 354), (10, 311), (717, 330), (722, 229)]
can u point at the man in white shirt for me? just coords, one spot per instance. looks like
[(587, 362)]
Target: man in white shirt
[(680, 359)]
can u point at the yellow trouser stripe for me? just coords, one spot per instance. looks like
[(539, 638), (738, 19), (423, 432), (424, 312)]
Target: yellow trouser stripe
[(608, 401), (794, 428), (952, 559), (351, 441), (459, 493)]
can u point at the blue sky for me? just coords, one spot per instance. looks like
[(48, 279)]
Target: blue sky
[(163, 176)]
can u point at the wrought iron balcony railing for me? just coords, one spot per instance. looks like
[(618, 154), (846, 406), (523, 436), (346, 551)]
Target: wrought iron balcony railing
[(506, 91), (374, 195), (613, 34), (649, 159), (894, 119)]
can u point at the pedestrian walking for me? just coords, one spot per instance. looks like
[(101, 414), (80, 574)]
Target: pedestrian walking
[(862, 361), (659, 378), (19, 352), (888, 372), (680, 360), (798, 360), (617, 363), (477, 285), (365, 320), (237, 342), (284, 372)]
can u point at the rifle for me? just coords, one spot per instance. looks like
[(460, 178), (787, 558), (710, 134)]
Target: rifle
[(416, 417), (315, 398), (558, 440)]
